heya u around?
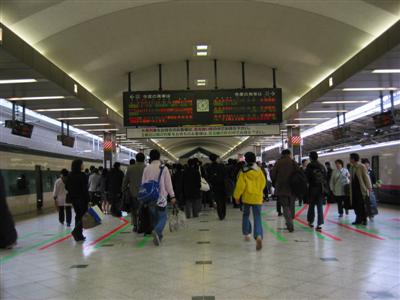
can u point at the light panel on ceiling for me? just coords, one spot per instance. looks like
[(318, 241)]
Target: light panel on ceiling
[(36, 98), (14, 81)]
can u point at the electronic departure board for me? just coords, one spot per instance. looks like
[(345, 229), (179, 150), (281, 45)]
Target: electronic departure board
[(206, 107)]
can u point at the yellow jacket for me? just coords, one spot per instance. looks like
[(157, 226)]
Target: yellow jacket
[(250, 186)]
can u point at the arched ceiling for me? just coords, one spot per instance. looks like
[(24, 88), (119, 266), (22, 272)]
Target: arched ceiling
[(98, 42)]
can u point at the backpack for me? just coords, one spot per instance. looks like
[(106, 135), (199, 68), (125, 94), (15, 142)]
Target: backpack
[(298, 183), (319, 179), (149, 192)]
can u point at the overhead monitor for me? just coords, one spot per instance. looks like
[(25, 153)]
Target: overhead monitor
[(384, 119), (205, 107), (341, 133), (19, 128), (66, 140)]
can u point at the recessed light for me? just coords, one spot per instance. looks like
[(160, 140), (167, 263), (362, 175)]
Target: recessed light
[(324, 111), (344, 102), (75, 88), (11, 81), (89, 125), (78, 118), (386, 71), (201, 53), (36, 98), (103, 129), (1, 34), (202, 47), (59, 109), (369, 89), (201, 82), (330, 81)]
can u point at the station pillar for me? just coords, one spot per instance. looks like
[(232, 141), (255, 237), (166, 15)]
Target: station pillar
[(108, 149), (294, 142)]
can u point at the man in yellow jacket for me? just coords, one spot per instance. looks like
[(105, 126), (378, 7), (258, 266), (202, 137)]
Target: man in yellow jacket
[(249, 189)]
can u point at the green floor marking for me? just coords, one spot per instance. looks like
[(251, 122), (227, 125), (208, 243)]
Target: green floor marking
[(369, 230), (143, 242), (277, 235), (39, 244), (388, 224), (312, 231), (111, 236)]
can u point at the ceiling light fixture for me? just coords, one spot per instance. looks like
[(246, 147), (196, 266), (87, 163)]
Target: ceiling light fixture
[(302, 124), (77, 118), (11, 81), (103, 129), (36, 98), (325, 111), (330, 81), (202, 47), (369, 89), (89, 125), (201, 82), (345, 102), (201, 53), (311, 119), (75, 88), (386, 71), (59, 109)]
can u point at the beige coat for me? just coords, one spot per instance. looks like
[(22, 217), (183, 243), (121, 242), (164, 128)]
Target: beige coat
[(361, 172)]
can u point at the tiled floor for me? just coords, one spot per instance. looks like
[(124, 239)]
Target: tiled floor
[(341, 263)]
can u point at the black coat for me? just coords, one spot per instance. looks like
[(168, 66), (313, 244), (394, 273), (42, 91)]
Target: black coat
[(316, 185), (8, 234), (114, 181), (77, 188), (191, 183)]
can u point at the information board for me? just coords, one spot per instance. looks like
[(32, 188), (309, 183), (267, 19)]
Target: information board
[(202, 131), (206, 107)]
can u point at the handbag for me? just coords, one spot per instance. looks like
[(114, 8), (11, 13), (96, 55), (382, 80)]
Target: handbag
[(88, 221), (204, 186), (96, 213)]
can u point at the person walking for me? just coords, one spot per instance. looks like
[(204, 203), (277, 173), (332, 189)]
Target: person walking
[(94, 186), (105, 204), (317, 189), (216, 174), (78, 196), (133, 180), (177, 182), (340, 178), (373, 211), (280, 176), (159, 211), (59, 195), (360, 187), (250, 191), (8, 233), (191, 189), (114, 189)]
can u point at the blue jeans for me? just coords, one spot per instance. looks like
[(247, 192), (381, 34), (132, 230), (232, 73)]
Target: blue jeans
[(246, 225), (159, 220), (316, 199)]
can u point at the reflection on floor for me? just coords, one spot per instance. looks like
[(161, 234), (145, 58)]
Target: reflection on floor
[(207, 260)]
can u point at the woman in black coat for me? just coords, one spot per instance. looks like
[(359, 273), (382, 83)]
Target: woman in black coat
[(191, 189), (8, 234), (78, 196)]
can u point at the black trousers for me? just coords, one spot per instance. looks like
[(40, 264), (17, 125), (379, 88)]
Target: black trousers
[(278, 206), (115, 200), (342, 203), (80, 209), (68, 214), (359, 209), (220, 199)]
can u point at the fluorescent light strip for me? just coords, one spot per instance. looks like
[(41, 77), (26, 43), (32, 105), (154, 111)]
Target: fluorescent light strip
[(345, 102), (369, 89), (89, 125), (59, 109), (36, 98), (11, 81), (386, 71), (78, 118), (103, 129), (362, 111), (311, 119), (325, 111), (201, 53), (302, 124)]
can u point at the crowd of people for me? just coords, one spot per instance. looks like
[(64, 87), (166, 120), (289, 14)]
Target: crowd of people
[(244, 183)]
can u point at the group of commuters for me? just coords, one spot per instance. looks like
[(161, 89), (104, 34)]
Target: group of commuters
[(245, 183)]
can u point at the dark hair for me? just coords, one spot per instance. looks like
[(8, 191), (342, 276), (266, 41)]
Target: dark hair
[(213, 157), (132, 161), (286, 152), (250, 157), (140, 157), (303, 161), (91, 168), (64, 172), (339, 161), (155, 155), (101, 168), (313, 155), (117, 165), (192, 162), (355, 156), (365, 161), (76, 165), (327, 163)]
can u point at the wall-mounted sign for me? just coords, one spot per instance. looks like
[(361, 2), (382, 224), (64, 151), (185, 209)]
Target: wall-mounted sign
[(201, 131), (205, 107)]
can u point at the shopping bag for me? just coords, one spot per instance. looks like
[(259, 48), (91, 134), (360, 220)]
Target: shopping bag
[(373, 204), (88, 221), (177, 220), (96, 213)]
